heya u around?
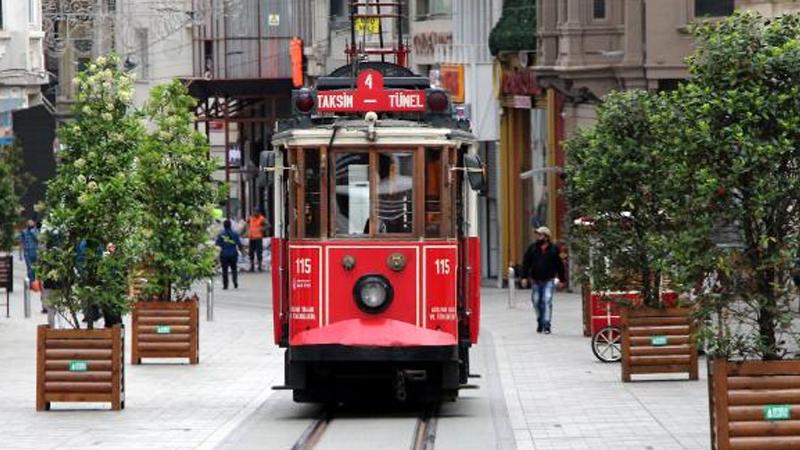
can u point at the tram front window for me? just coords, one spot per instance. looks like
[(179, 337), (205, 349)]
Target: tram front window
[(352, 193), (391, 176), (396, 192)]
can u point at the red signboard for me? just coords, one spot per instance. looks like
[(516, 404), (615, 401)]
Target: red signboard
[(520, 82), (305, 287), (370, 95)]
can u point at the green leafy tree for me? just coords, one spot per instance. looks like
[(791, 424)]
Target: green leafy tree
[(620, 187), (516, 29), (9, 204), (92, 212), (178, 195), (740, 142)]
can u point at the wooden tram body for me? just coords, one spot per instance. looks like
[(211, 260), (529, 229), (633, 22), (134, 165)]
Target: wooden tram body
[(376, 278)]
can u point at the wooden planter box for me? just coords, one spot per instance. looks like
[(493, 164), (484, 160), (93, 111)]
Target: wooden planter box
[(80, 366), (657, 341), (165, 330), (754, 404)]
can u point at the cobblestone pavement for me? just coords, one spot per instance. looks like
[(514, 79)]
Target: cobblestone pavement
[(559, 396), (556, 394)]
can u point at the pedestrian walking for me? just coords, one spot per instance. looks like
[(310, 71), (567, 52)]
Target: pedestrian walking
[(29, 247), (230, 245), (543, 268), (256, 226)]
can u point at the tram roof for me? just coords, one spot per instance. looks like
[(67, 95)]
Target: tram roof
[(387, 132)]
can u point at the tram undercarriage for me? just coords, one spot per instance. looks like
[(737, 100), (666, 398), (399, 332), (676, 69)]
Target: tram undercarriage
[(325, 374)]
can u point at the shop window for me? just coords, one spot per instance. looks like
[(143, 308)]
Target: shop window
[(433, 9), (713, 8), (352, 194), (599, 9), (395, 207), (313, 197), (433, 192)]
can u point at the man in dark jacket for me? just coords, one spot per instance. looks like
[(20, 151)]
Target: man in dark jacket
[(542, 266), (229, 244)]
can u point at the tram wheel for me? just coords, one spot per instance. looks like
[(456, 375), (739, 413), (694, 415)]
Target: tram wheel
[(607, 344)]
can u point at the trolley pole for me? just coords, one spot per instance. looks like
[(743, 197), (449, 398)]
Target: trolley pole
[(210, 300), (512, 286), (26, 296)]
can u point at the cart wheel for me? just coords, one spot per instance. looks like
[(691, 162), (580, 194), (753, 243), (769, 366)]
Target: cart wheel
[(607, 344)]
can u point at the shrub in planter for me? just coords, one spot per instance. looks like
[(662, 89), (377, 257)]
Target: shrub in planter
[(178, 198), (619, 176), (91, 207), (741, 150)]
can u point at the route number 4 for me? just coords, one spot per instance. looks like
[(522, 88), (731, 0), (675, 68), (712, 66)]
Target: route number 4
[(303, 265), (442, 266)]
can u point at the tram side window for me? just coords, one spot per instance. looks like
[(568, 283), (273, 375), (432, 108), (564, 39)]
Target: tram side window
[(352, 194), (313, 206), (396, 192), (433, 192)]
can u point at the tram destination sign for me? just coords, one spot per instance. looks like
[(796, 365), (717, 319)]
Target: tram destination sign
[(370, 95)]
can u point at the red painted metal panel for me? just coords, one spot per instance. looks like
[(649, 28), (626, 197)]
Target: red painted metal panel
[(474, 288), (278, 297), (371, 260), (321, 292), (605, 311), (305, 288), (439, 281), (374, 332)]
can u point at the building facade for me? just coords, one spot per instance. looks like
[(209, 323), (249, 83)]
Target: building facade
[(587, 48), (242, 77), (22, 72), (154, 41)]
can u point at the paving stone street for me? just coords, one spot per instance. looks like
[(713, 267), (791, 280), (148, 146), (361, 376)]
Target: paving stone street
[(536, 391)]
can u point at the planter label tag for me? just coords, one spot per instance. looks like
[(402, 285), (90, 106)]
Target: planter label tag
[(658, 341), (163, 329), (777, 412), (78, 366)]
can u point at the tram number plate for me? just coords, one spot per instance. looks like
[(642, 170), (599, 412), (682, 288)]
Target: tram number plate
[(658, 341), (777, 412), (163, 329), (78, 366)]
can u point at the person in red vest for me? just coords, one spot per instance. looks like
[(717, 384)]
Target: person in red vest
[(256, 226)]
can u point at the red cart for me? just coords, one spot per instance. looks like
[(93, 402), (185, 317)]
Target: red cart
[(604, 322)]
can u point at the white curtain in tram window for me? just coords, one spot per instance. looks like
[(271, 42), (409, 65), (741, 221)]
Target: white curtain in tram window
[(358, 192)]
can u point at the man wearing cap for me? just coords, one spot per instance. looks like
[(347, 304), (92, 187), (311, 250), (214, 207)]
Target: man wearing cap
[(542, 266)]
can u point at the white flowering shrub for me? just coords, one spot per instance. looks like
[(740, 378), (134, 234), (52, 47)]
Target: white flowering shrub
[(91, 201), (177, 195)]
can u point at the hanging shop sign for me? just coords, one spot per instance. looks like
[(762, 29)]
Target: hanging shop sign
[(516, 101), (452, 79), (520, 82), (370, 95)]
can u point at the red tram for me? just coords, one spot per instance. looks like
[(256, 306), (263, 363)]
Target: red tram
[(376, 277)]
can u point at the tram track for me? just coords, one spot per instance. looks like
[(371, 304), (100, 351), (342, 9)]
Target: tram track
[(423, 437)]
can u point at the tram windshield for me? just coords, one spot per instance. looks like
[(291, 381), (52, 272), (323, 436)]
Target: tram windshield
[(390, 176), (366, 192)]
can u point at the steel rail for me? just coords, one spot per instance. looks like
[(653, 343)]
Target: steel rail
[(312, 434), (425, 431)]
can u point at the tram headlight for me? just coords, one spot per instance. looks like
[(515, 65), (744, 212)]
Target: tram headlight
[(373, 293)]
